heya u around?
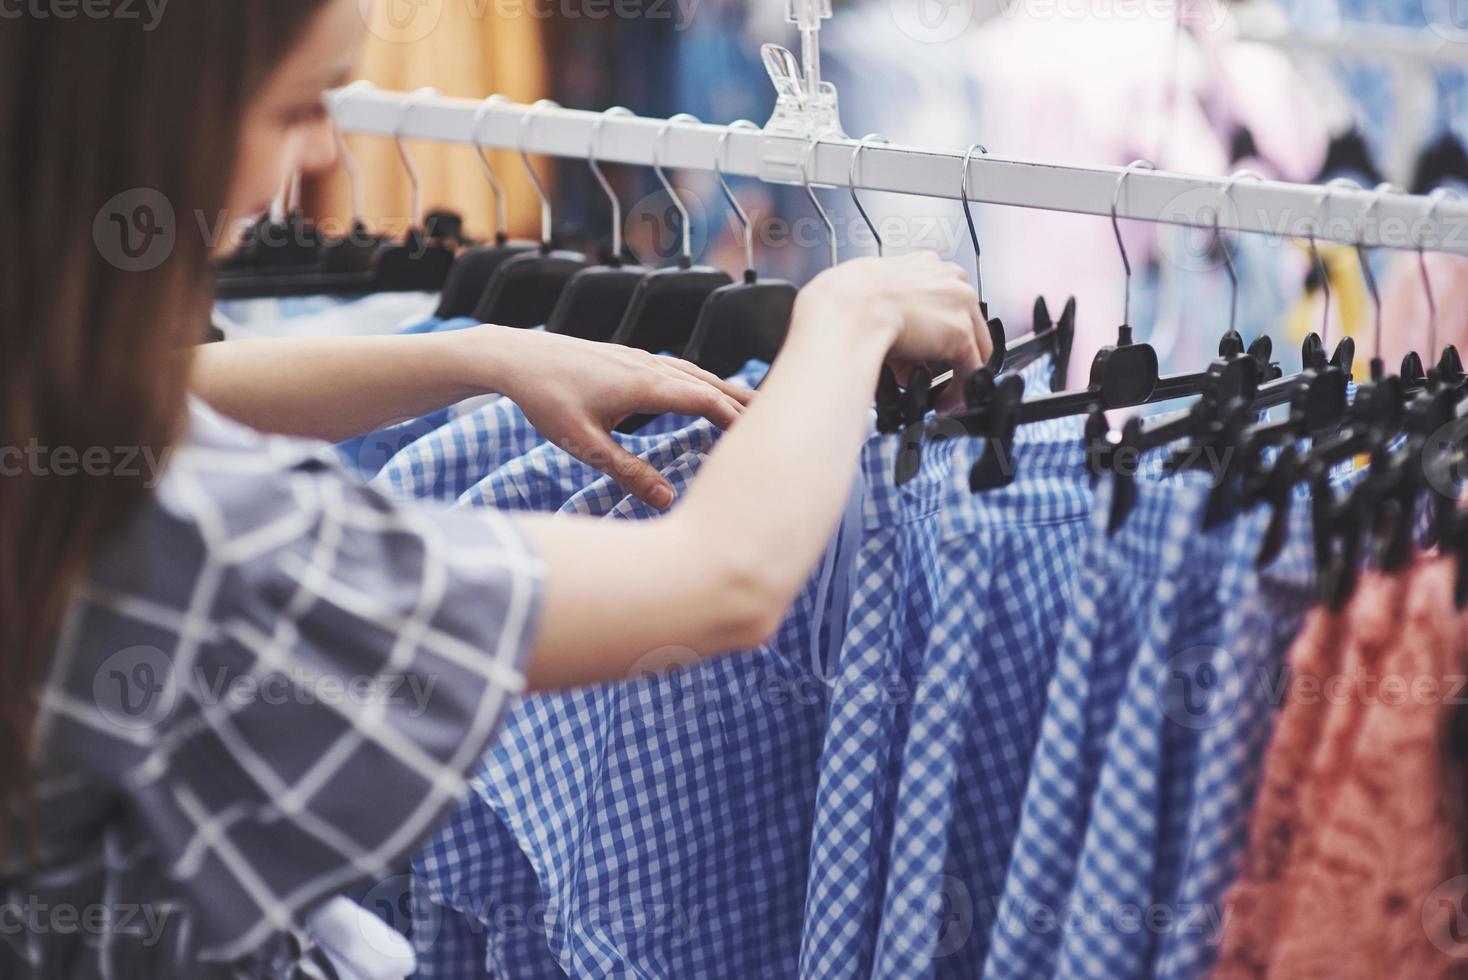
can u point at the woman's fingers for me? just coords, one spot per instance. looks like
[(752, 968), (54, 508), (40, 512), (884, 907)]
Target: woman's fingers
[(739, 393), (684, 396), (598, 449)]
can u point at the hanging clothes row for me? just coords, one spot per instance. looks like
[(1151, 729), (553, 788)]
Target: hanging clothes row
[(1014, 727)]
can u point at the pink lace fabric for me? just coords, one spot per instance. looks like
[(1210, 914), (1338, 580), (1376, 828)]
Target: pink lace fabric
[(1356, 859)]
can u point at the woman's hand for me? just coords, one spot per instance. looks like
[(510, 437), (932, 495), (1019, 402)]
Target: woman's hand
[(922, 308), (576, 391), (719, 572)]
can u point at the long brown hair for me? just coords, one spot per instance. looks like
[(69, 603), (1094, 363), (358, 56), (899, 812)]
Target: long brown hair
[(106, 125)]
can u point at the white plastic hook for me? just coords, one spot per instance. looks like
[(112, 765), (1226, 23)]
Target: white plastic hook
[(348, 158), (1434, 200), (1126, 263), (968, 217), (738, 208), (601, 178), (496, 188), (851, 183), (657, 168), (1228, 258), (545, 205), (413, 180), (810, 152)]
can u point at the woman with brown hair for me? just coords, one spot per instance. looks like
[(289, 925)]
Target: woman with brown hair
[(163, 564)]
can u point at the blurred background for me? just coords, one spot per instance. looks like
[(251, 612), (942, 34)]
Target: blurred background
[(1188, 85)]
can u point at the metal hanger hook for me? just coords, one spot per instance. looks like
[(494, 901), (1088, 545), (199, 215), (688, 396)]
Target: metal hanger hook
[(408, 165), (601, 178), (545, 206), (1126, 263), (1434, 200), (851, 183), (810, 153), (1228, 258), (973, 232), (496, 188), (734, 205), (1381, 189), (1317, 262), (657, 168), (348, 158)]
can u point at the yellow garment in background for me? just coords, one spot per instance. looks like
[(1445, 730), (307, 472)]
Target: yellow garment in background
[(1348, 304), (467, 50)]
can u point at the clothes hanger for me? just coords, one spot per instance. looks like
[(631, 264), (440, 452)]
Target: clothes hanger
[(1347, 153), (596, 298), (907, 410), (744, 321), (666, 303), (524, 288), (1046, 336), (1449, 365), (1442, 162), (1211, 425), (475, 266), (1122, 374), (418, 264), (354, 252)]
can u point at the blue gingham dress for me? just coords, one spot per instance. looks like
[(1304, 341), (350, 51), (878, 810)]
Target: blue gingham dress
[(894, 579), (1131, 852), (1259, 627), (268, 690), (1007, 559), (1113, 594), (668, 819)]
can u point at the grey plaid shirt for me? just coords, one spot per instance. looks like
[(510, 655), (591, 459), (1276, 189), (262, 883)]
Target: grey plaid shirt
[(267, 693)]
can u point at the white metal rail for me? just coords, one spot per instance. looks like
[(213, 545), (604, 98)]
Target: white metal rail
[(1336, 213)]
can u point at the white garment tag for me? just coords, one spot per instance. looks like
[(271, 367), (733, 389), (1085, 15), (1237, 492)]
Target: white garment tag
[(359, 944)]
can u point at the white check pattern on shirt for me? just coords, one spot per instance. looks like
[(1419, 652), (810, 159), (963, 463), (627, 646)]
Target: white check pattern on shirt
[(278, 567)]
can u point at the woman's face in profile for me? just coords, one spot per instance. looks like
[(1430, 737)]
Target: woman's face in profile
[(288, 127)]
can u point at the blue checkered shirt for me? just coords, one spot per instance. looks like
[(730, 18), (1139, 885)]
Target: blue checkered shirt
[(1113, 594), (894, 576), (1007, 559), (668, 819), (444, 459), (1131, 852)]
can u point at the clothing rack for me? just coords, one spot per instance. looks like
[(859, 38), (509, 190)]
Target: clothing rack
[(1328, 214), (1413, 54)]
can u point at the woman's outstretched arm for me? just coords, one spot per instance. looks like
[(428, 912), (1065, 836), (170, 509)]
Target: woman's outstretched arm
[(719, 572)]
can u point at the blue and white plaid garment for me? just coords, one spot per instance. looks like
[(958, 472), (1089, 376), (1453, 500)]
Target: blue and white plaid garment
[(446, 462), (668, 819), (1260, 623), (895, 583), (892, 610), (1129, 862), (1007, 558), (366, 454), (548, 478), (1113, 599)]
